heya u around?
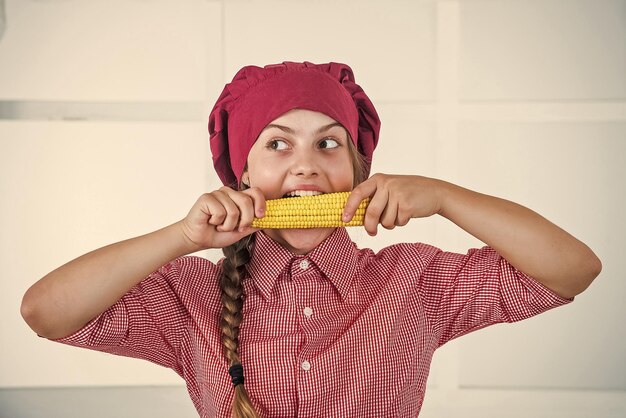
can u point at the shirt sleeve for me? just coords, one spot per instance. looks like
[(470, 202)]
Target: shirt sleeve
[(147, 322), (462, 293)]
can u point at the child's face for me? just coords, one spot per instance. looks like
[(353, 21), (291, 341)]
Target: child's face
[(300, 151)]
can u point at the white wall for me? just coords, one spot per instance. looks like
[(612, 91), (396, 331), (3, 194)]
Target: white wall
[(103, 137)]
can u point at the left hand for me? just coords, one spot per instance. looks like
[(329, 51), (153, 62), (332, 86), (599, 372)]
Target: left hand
[(395, 199)]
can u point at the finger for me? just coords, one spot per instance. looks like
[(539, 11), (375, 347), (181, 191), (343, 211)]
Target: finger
[(389, 216), (360, 192), (231, 219), (214, 212), (374, 211), (258, 199), (246, 208), (224, 239), (403, 217)]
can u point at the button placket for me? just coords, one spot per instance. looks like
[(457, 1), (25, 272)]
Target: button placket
[(306, 281)]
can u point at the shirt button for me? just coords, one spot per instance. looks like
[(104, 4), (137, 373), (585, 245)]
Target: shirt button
[(306, 365), (304, 264), (308, 312)]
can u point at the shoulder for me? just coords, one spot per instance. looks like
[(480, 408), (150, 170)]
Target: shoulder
[(189, 273), (394, 273), (191, 265), (399, 255)]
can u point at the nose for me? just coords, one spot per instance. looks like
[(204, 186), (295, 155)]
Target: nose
[(304, 165)]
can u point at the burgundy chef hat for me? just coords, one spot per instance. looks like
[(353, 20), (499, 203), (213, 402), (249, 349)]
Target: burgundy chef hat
[(257, 96)]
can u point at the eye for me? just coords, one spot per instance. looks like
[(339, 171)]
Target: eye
[(329, 143), (276, 144)]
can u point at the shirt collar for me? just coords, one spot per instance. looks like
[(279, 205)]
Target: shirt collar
[(336, 258)]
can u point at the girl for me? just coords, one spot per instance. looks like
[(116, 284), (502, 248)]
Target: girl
[(320, 327)]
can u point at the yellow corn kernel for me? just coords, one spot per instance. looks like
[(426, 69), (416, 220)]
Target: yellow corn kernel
[(322, 211)]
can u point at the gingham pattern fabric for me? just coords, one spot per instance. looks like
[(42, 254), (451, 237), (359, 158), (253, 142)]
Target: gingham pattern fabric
[(340, 332)]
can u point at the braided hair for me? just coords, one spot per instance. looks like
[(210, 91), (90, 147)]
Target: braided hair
[(234, 267)]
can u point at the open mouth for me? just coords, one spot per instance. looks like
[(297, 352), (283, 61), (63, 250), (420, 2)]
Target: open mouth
[(298, 193)]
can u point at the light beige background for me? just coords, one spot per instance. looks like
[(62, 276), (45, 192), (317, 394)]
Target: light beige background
[(103, 136)]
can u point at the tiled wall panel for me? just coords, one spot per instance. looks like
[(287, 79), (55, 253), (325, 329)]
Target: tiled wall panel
[(542, 50), (68, 188), (391, 48), (572, 173), (113, 51)]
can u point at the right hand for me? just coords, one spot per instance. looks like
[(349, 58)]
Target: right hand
[(222, 217)]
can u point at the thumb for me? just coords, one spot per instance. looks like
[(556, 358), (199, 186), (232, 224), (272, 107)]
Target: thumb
[(224, 239)]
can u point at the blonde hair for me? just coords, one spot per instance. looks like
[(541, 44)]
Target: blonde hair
[(237, 256)]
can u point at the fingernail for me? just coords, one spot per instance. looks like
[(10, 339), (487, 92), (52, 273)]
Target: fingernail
[(346, 217)]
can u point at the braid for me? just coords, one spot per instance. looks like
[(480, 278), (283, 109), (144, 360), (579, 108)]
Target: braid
[(234, 266)]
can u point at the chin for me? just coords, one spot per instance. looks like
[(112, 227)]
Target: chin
[(300, 241)]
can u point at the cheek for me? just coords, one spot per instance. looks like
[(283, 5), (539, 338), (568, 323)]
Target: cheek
[(259, 168), (341, 174), (267, 176), (263, 173)]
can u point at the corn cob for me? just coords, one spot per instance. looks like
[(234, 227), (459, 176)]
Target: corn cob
[(320, 211)]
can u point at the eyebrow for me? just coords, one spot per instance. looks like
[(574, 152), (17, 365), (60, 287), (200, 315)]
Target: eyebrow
[(291, 131)]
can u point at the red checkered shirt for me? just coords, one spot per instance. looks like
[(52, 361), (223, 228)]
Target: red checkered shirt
[(339, 332)]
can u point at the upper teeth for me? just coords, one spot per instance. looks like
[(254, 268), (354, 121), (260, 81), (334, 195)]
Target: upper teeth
[(303, 193)]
